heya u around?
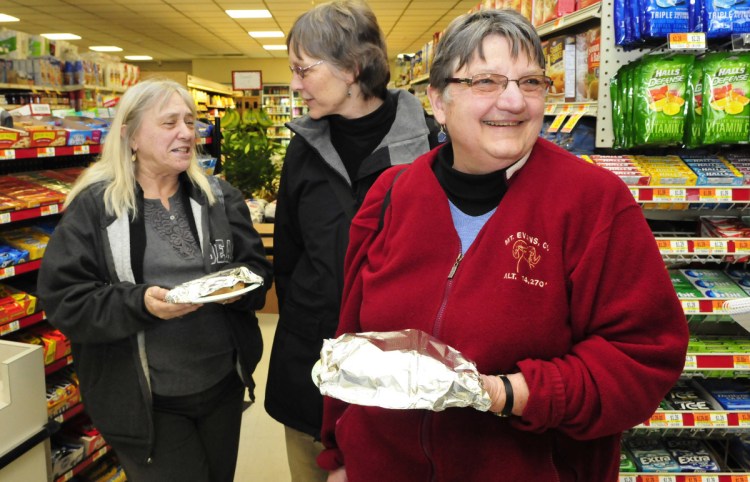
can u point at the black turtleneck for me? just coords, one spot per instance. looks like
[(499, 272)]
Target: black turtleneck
[(473, 194), (355, 139)]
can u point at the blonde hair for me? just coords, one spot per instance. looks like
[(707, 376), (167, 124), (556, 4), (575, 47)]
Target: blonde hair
[(115, 166)]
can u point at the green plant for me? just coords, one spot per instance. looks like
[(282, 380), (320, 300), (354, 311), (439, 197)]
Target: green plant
[(251, 161)]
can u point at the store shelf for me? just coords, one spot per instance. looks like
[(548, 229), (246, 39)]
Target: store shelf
[(37, 212), (732, 362), (21, 323), (84, 464), (709, 422), (20, 268), (562, 23), (58, 364), (700, 197), (587, 109), (687, 249), (673, 477), (36, 152), (68, 414)]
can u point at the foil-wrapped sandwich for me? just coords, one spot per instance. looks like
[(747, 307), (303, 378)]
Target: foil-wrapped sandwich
[(400, 370), (215, 286)]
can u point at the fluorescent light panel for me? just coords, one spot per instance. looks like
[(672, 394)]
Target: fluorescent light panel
[(248, 13), (8, 18), (138, 57), (274, 47), (61, 36), (267, 34), (105, 48)]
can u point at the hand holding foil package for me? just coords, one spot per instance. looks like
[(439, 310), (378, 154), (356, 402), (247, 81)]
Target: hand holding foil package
[(400, 370), (193, 291)]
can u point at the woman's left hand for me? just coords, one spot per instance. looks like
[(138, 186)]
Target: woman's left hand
[(155, 304)]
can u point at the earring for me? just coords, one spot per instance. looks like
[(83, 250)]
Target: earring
[(442, 135), (133, 157), (349, 92)]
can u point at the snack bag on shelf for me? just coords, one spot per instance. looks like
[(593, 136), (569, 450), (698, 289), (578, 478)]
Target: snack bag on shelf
[(726, 87), (659, 101), (722, 19), (661, 18), (694, 114)]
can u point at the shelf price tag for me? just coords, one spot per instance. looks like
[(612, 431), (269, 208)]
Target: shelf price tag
[(628, 478), (580, 112), (558, 121), (690, 306), (665, 420), (717, 246), (7, 154), (742, 246), (743, 419), (5, 218), (701, 478), (10, 327), (80, 150), (691, 362), (49, 209), (687, 41), (741, 362), (7, 272), (45, 152), (738, 478), (711, 419), (634, 192), (670, 194)]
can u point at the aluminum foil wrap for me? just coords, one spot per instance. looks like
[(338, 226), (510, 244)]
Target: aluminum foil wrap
[(192, 291), (398, 369)]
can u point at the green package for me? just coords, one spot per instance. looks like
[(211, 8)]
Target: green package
[(694, 114), (616, 112), (659, 99), (726, 87)]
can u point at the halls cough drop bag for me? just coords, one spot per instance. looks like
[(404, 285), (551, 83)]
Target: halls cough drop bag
[(659, 103), (726, 105), (694, 114)]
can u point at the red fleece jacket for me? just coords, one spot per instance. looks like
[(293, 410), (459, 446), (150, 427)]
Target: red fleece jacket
[(564, 283)]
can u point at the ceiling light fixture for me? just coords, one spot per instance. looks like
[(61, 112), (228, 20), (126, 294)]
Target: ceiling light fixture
[(138, 57), (105, 48), (267, 34), (248, 13), (8, 18), (61, 36), (274, 47)]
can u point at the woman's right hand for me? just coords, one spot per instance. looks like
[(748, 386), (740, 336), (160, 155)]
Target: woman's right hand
[(155, 304), (338, 475)]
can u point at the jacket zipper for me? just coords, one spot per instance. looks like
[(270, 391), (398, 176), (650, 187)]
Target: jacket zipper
[(426, 419), (446, 294)]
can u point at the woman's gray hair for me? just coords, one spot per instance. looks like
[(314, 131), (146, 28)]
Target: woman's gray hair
[(345, 34), (464, 36), (115, 167)]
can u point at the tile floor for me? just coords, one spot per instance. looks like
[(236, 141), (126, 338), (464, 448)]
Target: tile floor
[(262, 453)]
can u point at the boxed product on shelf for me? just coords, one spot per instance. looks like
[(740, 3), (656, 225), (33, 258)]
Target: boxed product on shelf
[(15, 304), (741, 276), (65, 456), (731, 394), (627, 462), (81, 431), (692, 455), (41, 133), (650, 455), (588, 46), (48, 345), (46, 179), (62, 392), (60, 341), (685, 397), (713, 283), (28, 194), (14, 138), (561, 68), (28, 239), (10, 256)]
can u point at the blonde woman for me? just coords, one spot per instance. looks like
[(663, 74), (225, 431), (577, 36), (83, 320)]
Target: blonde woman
[(163, 382)]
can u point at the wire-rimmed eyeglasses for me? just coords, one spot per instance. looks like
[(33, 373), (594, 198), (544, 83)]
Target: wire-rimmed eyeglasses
[(302, 71), (531, 85)]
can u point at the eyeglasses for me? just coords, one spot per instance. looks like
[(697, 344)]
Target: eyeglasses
[(302, 71), (530, 85)]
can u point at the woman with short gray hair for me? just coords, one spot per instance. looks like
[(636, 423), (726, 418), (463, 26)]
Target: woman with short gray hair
[(537, 266)]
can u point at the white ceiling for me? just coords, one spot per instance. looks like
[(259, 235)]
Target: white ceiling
[(173, 30)]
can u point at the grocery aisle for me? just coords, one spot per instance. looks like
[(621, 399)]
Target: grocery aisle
[(262, 453)]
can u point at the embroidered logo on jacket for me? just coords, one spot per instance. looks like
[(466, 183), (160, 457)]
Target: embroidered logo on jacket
[(527, 250), (221, 251)]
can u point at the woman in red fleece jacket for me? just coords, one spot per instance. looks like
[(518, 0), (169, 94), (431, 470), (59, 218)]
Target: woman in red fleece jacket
[(537, 266)]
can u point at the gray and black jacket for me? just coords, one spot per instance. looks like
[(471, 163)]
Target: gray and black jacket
[(311, 235), (90, 287)]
